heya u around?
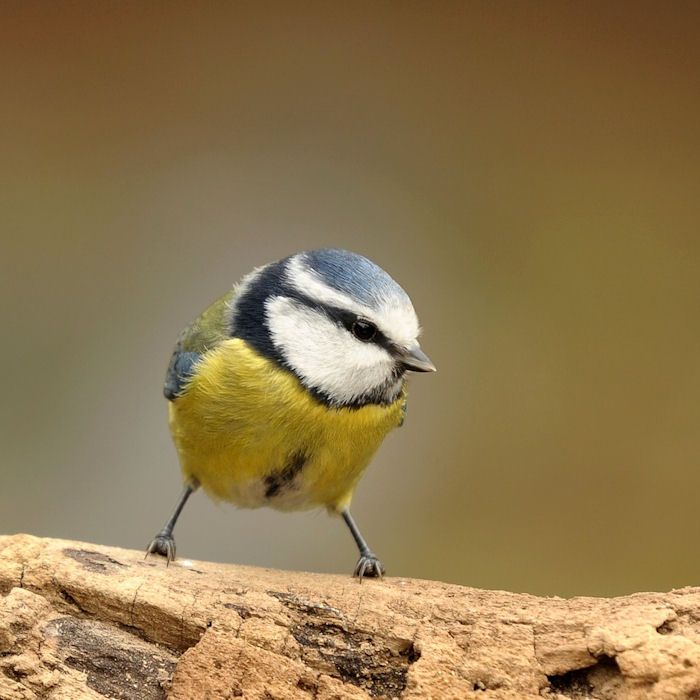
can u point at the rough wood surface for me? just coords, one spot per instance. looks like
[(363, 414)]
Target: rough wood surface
[(85, 621)]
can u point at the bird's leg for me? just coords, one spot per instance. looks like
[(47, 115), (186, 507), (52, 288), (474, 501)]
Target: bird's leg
[(368, 564), (164, 542)]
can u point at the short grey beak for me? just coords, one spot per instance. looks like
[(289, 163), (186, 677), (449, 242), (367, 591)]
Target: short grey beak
[(416, 360)]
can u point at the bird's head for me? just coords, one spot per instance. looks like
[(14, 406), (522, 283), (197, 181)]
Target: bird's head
[(339, 322)]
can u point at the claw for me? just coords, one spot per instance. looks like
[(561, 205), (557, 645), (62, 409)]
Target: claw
[(163, 545), (368, 565)]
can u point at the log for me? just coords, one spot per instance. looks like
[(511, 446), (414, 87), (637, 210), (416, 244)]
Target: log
[(86, 621)]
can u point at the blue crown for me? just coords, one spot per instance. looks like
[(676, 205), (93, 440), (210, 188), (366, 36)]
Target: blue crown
[(354, 275)]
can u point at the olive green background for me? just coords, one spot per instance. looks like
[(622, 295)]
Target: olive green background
[(528, 171)]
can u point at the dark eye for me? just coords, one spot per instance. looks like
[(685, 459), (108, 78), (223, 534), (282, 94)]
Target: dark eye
[(364, 330)]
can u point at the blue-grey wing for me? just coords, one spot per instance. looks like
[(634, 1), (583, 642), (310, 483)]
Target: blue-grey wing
[(180, 369), (204, 333)]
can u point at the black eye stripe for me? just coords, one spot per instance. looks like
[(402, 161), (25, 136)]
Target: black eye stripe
[(342, 317)]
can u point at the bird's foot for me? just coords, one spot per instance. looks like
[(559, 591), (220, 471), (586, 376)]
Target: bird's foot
[(368, 565), (164, 544)]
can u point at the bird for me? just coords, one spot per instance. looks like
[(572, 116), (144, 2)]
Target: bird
[(282, 390)]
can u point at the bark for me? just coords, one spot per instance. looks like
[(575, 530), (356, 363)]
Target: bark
[(86, 621)]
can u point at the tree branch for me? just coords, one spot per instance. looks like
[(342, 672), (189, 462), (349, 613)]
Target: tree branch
[(86, 621)]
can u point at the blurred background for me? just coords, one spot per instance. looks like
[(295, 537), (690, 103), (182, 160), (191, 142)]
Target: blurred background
[(528, 171)]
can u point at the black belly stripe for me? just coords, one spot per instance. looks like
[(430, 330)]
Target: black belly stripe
[(282, 480)]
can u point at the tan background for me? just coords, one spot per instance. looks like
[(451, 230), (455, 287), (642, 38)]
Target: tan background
[(528, 171)]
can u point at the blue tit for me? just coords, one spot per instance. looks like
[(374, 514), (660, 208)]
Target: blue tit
[(282, 390)]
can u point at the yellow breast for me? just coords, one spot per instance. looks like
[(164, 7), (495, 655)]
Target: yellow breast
[(250, 433)]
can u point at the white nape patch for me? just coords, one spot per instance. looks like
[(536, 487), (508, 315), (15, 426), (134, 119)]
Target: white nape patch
[(323, 354), (395, 318)]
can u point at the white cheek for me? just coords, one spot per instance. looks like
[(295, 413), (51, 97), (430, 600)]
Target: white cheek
[(323, 354)]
